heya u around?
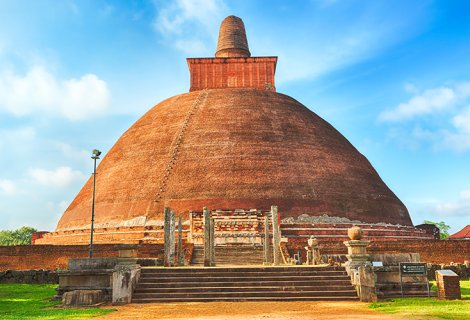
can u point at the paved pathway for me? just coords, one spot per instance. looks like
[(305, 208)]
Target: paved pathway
[(248, 310)]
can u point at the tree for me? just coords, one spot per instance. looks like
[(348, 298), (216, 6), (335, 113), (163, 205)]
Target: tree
[(22, 235), (443, 228)]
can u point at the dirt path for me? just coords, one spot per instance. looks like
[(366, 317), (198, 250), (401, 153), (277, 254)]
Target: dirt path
[(248, 310)]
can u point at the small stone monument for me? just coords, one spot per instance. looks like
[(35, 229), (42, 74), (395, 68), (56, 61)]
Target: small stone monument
[(313, 252), (359, 266), (82, 298), (448, 285), (357, 253)]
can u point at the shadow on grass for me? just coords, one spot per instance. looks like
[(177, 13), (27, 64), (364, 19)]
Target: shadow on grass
[(30, 301)]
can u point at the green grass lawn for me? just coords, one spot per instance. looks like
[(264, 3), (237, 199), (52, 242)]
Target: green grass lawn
[(429, 308), (31, 301)]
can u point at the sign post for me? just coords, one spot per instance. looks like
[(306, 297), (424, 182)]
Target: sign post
[(411, 269)]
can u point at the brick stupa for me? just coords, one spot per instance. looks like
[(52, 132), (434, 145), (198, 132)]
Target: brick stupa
[(232, 142)]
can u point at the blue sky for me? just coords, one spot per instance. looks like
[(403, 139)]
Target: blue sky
[(392, 76)]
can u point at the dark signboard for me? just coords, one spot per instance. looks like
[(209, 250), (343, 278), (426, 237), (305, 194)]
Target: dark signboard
[(412, 269)]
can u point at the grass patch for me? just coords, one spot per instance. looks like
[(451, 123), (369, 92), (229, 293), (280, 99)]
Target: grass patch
[(31, 301), (429, 308)]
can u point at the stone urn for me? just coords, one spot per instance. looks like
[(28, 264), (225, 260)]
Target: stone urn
[(312, 241), (355, 233)]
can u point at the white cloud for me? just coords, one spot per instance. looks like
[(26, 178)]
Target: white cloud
[(60, 177), (190, 25), (7, 187), (39, 91), (429, 102), (411, 88), (451, 130), (462, 120), (460, 207)]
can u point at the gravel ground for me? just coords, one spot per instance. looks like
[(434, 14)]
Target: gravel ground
[(248, 310)]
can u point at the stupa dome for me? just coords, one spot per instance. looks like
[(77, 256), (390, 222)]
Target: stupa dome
[(232, 142)]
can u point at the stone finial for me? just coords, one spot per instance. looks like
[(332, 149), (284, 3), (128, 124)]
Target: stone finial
[(232, 39), (355, 233)]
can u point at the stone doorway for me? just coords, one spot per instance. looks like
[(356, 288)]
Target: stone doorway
[(231, 227)]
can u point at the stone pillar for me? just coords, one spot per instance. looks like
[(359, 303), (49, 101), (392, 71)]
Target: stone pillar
[(266, 240), (357, 253), (180, 243), (276, 236), (166, 238), (359, 267), (207, 237), (212, 241), (365, 284), (125, 279), (313, 252), (172, 239)]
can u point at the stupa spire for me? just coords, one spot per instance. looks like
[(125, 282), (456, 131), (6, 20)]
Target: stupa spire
[(232, 39)]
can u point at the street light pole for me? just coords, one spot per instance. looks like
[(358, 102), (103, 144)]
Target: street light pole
[(95, 155)]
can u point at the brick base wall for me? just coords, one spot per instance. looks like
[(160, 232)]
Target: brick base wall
[(50, 257), (431, 251)]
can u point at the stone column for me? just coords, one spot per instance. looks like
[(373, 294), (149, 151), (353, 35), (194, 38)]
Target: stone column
[(266, 240), (365, 284), (212, 241), (276, 236), (180, 243), (166, 237), (172, 238), (207, 237), (359, 267)]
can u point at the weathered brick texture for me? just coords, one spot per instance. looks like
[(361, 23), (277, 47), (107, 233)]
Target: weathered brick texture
[(221, 73), (432, 251)]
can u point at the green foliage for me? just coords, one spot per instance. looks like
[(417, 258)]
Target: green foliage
[(31, 301), (443, 228), (428, 308), (16, 237)]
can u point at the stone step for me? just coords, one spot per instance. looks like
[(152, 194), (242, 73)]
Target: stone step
[(203, 289), (242, 269), (233, 299), (243, 279), (231, 255), (244, 294), (243, 284), (217, 273), (194, 284)]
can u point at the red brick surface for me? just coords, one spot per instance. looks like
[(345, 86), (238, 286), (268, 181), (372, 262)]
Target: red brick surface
[(432, 251), (232, 39), (219, 73), (51, 257), (243, 148)]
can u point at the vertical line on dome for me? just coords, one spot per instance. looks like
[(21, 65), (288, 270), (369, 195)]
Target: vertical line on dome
[(201, 98)]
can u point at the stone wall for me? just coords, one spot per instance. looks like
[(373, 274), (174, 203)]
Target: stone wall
[(50, 257), (462, 269), (29, 276)]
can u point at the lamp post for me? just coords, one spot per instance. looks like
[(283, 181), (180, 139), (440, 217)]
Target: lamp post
[(95, 155)]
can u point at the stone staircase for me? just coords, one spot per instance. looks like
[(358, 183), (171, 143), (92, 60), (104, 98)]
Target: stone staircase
[(243, 284), (230, 255)]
